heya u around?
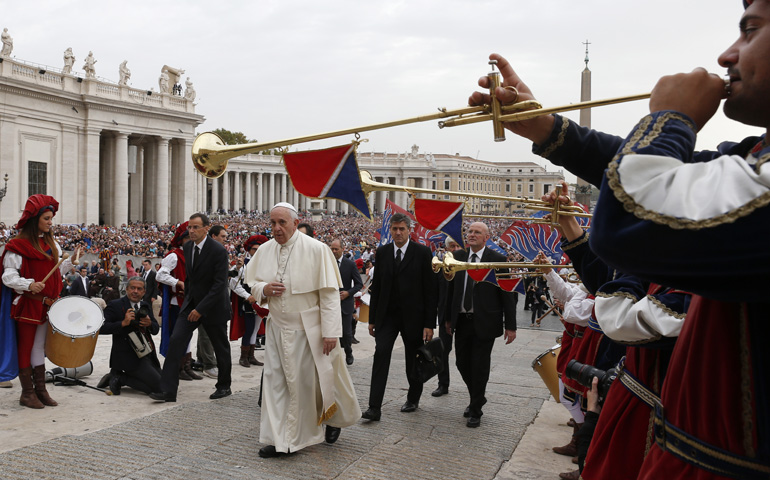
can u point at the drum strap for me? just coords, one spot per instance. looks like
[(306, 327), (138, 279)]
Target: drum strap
[(40, 298), (688, 448)]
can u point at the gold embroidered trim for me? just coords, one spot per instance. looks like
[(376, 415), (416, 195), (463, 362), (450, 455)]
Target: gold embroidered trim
[(665, 309), (648, 441), (617, 294), (559, 139), (613, 180), (329, 413), (570, 246), (746, 397)]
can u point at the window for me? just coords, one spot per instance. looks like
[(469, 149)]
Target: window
[(446, 184), (434, 185), (507, 189), (531, 188), (518, 188), (37, 175), (546, 188)]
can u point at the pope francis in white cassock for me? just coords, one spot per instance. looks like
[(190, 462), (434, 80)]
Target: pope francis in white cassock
[(306, 383)]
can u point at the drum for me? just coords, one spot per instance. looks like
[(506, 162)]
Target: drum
[(545, 366), (73, 327), (363, 311)]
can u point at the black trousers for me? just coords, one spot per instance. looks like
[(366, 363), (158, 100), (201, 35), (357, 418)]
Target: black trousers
[(474, 359), (384, 339), (446, 339), (346, 342), (180, 338), (537, 311), (145, 377)]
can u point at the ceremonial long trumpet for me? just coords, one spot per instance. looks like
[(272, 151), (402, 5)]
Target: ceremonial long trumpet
[(210, 154), (449, 266)]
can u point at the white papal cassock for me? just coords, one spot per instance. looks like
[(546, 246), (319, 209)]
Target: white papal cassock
[(302, 388)]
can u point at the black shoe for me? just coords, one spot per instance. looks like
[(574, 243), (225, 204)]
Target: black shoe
[(269, 452), (473, 422), (115, 384), (349, 359), (354, 341), (196, 365), (409, 407), (104, 381), (441, 390), (163, 397), (221, 393), (332, 434), (467, 412), (372, 414)]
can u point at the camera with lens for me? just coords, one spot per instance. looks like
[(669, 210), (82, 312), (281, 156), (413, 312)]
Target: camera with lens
[(142, 311), (584, 375)]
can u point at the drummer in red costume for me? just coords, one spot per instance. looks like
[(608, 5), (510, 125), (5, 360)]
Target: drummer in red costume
[(27, 259)]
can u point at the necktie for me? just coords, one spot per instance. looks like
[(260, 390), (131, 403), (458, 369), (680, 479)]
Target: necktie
[(195, 256), (468, 300), (398, 257)]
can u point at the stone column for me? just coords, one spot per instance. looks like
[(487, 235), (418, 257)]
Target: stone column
[(70, 176), (120, 181), (249, 197), (226, 191), (237, 189), (136, 187), (271, 191), (295, 197), (188, 204), (150, 182), (91, 177), (215, 194), (283, 196), (162, 185), (260, 191)]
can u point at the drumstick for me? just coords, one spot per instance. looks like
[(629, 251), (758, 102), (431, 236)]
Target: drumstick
[(61, 260), (545, 300), (76, 261)]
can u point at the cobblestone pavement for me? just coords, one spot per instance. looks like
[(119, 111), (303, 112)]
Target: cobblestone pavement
[(220, 439)]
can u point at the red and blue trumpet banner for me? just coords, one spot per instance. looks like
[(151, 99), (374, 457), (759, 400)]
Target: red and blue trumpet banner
[(328, 173), (441, 215), (513, 284)]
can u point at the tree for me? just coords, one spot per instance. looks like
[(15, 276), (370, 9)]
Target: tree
[(232, 138)]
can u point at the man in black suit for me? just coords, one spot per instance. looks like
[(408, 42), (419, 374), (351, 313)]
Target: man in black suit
[(80, 284), (351, 284), (479, 313), (120, 320), (151, 283), (206, 303), (404, 296)]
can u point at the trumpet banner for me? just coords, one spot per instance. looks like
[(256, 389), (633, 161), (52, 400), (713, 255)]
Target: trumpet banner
[(328, 173)]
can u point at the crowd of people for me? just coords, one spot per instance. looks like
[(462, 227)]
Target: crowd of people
[(662, 364)]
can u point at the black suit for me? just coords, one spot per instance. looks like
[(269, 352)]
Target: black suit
[(205, 290), (351, 283), (138, 373), (78, 288), (403, 300), (151, 287), (494, 309)]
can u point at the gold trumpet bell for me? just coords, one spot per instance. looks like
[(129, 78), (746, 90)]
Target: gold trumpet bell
[(208, 156)]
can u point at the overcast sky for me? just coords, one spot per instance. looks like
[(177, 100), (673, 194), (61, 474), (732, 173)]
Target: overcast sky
[(282, 69)]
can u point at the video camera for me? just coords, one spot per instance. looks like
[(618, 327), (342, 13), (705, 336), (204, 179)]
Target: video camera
[(584, 375)]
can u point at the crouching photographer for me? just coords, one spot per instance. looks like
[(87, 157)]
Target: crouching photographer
[(133, 361), (599, 382)]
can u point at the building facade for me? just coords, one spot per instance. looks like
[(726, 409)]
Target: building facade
[(107, 152)]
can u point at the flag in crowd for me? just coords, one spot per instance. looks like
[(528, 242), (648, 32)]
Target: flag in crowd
[(328, 173), (513, 284), (531, 238)]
